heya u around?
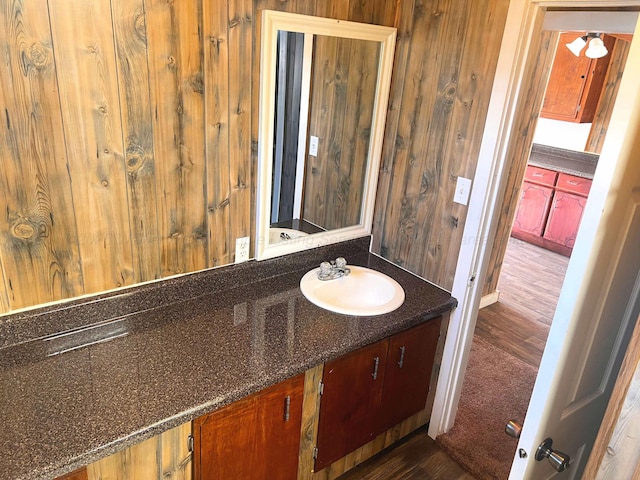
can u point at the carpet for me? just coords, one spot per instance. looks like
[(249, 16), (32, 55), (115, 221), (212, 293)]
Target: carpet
[(497, 388)]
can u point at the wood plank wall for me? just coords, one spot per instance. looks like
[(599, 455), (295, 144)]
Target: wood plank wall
[(343, 94), (446, 59), (129, 135)]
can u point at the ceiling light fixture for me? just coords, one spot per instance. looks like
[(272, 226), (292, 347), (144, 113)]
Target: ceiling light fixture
[(596, 47)]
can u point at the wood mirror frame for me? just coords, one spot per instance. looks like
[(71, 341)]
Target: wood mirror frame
[(272, 23)]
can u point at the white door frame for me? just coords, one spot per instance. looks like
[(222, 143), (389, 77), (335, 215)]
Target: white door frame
[(523, 21)]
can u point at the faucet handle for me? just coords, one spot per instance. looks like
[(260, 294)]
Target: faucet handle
[(325, 268), (341, 262)]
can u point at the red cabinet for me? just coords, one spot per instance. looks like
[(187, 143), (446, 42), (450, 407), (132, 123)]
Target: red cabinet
[(550, 209), (373, 389), (535, 201), (564, 218)]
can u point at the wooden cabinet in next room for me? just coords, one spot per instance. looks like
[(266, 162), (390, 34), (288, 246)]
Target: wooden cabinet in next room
[(374, 388), (254, 438)]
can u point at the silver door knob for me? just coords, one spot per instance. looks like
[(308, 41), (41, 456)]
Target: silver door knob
[(513, 429), (559, 461)]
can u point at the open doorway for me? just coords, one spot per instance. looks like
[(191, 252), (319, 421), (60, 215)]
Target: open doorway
[(518, 323)]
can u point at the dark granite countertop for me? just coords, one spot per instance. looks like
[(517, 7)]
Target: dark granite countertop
[(581, 164), (83, 379)]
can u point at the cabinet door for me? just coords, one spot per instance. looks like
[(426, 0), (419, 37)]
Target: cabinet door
[(351, 397), (408, 373), (254, 438), (564, 218), (80, 474), (533, 209), (575, 83)]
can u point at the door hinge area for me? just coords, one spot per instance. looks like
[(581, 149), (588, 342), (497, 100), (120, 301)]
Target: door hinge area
[(190, 443), (315, 453), (320, 388)]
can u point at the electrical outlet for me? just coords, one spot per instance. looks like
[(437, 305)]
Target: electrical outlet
[(242, 249), (313, 146), (463, 188)]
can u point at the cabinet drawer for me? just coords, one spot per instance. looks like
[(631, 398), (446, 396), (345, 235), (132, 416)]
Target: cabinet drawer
[(573, 184), (541, 176)]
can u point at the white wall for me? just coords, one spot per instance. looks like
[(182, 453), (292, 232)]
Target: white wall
[(559, 134)]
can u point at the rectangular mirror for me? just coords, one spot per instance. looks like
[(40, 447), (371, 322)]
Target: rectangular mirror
[(324, 87)]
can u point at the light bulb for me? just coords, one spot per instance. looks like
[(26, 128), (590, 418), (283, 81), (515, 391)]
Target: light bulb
[(596, 48)]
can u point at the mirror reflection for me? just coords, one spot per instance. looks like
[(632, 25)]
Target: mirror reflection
[(324, 86), (321, 146)]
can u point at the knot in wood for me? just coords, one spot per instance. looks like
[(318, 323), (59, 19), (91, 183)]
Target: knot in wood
[(24, 229), (197, 83), (140, 27), (102, 109), (39, 55), (136, 157)]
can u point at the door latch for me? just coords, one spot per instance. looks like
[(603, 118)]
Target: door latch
[(559, 461)]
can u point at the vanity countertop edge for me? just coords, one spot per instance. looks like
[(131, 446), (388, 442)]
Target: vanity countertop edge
[(83, 379)]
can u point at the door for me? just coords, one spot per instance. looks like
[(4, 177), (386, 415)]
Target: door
[(257, 437), (408, 373), (351, 396), (585, 347), (567, 403), (533, 209)]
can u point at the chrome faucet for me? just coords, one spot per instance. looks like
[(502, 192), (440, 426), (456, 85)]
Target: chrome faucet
[(334, 269)]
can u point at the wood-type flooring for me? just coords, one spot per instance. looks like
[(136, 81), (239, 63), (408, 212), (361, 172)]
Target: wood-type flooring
[(529, 286)]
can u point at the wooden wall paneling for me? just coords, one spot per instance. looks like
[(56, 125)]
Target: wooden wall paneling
[(87, 77), (529, 104), (337, 119), (404, 24), (386, 13), (177, 86), (477, 63), (600, 124), (615, 452), (137, 131), (241, 57), (216, 91), (361, 91), (419, 172), (38, 239), (163, 456), (338, 9), (321, 98)]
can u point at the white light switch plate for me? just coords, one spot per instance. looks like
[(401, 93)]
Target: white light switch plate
[(313, 146), (463, 189), (242, 249)]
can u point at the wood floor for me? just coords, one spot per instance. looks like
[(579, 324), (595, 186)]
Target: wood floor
[(519, 323)]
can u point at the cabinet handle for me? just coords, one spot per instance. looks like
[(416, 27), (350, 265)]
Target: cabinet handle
[(376, 364), (571, 182), (401, 361), (287, 407), (538, 175)]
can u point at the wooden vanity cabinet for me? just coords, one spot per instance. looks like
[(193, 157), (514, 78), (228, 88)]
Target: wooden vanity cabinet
[(351, 395), (408, 373), (80, 474), (254, 438), (372, 389)]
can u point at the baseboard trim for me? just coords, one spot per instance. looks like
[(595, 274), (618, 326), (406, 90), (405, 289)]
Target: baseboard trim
[(489, 299)]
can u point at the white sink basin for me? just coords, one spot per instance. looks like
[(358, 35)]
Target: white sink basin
[(276, 234), (363, 292)]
